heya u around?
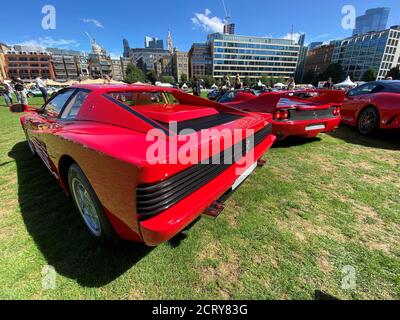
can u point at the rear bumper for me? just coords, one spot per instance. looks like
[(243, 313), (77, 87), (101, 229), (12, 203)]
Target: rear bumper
[(166, 225), (299, 128)]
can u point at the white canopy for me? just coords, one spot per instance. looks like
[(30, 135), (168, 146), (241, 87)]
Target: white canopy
[(185, 86), (279, 85), (346, 83), (260, 84), (164, 85), (214, 86)]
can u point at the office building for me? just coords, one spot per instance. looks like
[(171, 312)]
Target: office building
[(164, 67), (253, 57), (153, 43), (145, 58), (28, 63), (65, 64), (229, 28), (373, 20), (378, 50), (125, 44), (100, 66), (180, 65), (319, 58), (298, 76), (124, 65), (83, 65), (200, 60), (313, 45), (117, 73)]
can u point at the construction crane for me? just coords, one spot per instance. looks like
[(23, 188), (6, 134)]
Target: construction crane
[(97, 49), (227, 16)]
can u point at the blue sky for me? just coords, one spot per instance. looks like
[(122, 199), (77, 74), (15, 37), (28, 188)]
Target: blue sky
[(188, 20)]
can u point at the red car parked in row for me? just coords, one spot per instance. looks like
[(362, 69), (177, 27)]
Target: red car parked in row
[(295, 113), (94, 141), (374, 105)]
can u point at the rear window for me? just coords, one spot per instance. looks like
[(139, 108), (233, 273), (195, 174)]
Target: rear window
[(137, 99), (395, 87)]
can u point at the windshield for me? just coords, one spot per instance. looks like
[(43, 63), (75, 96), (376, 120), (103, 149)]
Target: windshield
[(136, 99)]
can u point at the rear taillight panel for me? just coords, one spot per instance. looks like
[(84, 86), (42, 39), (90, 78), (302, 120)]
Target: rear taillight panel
[(281, 114), (336, 111)]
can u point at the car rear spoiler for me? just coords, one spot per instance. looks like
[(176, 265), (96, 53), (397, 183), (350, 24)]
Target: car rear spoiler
[(319, 96), (270, 100)]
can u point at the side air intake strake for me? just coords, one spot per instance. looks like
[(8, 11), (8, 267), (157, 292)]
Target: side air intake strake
[(155, 198)]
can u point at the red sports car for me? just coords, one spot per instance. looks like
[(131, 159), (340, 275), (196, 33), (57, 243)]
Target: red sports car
[(99, 143), (295, 113), (372, 106)]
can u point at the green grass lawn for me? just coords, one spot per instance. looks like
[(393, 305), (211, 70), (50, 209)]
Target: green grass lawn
[(318, 206)]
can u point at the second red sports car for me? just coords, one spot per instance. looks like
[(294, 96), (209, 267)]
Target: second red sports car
[(295, 113), (374, 105)]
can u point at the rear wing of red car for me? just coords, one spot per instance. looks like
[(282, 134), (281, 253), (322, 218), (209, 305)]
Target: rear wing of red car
[(269, 101)]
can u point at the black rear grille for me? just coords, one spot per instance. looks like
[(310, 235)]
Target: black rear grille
[(156, 198), (312, 114), (205, 122)]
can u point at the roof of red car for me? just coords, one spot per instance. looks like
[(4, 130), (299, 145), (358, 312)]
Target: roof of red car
[(102, 88)]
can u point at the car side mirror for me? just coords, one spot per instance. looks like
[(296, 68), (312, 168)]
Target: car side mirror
[(18, 108)]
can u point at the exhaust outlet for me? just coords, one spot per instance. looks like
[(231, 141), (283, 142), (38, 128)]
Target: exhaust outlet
[(214, 210), (261, 163)]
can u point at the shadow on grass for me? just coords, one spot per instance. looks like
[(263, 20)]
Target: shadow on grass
[(382, 139), (294, 141), (56, 227)]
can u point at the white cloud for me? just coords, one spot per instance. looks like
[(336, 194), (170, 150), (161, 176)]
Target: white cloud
[(207, 22), (97, 23), (295, 36), (50, 42), (115, 54)]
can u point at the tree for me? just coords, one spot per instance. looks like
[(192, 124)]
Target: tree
[(184, 78), (394, 73), (133, 74), (246, 82), (369, 75), (151, 76), (310, 77), (208, 81), (334, 71), (168, 79), (265, 80)]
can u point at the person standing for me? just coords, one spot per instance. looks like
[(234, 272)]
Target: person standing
[(226, 85), (291, 85), (196, 88), (237, 84), (42, 87), (20, 91), (6, 91), (329, 84)]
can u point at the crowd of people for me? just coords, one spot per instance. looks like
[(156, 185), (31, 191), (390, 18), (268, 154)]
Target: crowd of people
[(18, 87)]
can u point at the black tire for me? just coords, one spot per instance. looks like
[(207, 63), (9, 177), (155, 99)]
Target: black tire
[(30, 144), (368, 121), (102, 232)]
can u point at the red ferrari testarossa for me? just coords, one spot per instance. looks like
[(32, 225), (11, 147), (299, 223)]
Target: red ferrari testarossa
[(95, 140), (295, 113)]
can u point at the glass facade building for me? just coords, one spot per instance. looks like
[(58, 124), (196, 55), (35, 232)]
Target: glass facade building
[(253, 57), (200, 60), (378, 50), (373, 20)]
